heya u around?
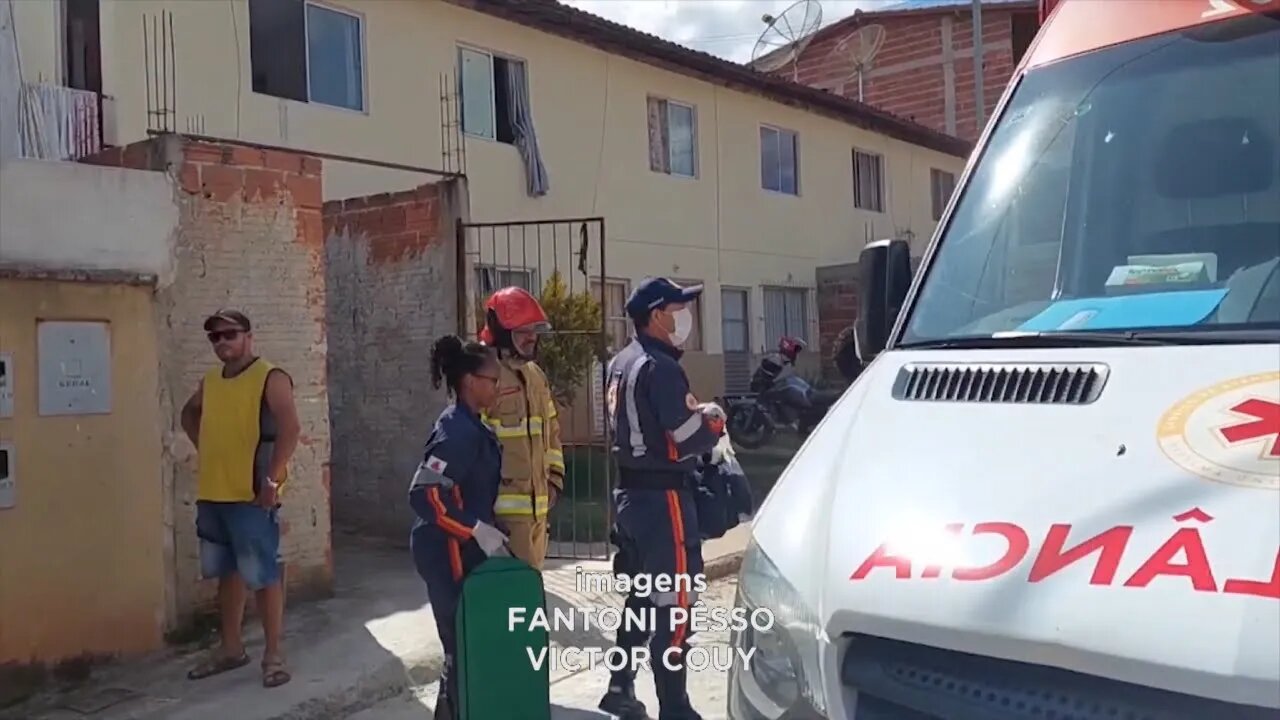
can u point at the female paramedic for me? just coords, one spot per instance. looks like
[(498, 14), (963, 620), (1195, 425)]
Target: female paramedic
[(453, 492)]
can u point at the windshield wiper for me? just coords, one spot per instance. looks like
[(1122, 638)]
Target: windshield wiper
[(1064, 339)]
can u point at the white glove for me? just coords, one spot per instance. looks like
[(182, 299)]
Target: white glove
[(490, 539), (712, 410)]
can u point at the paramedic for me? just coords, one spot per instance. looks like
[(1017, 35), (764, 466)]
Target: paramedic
[(659, 434), (524, 418), (453, 491)]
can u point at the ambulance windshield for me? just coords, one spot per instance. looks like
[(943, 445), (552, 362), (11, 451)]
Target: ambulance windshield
[(1132, 188)]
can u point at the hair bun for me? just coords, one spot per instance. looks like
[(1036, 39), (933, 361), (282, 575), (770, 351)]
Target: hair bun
[(449, 346)]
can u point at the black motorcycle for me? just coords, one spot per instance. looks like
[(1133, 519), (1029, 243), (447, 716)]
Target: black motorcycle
[(779, 398)]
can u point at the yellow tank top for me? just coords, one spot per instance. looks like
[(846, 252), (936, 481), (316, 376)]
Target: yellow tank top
[(232, 452)]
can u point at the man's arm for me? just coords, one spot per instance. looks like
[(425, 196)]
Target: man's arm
[(279, 397), (190, 418), (667, 388), (555, 450)]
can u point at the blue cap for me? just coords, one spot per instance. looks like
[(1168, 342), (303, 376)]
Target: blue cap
[(653, 293)]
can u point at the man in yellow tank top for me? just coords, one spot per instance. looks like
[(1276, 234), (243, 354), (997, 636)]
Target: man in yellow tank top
[(244, 424)]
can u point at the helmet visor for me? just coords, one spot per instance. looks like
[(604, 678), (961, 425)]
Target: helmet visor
[(537, 327)]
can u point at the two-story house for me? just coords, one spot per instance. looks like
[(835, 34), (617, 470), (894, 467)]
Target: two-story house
[(701, 168)]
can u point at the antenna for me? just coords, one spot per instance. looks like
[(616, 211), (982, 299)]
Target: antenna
[(785, 36), (861, 46)]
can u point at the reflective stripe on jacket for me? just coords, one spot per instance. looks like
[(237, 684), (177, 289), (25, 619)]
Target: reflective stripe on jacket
[(524, 418)]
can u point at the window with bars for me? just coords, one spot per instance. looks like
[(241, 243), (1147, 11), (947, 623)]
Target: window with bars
[(786, 313), (868, 181), (673, 138), (612, 296), (941, 185), (490, 279)]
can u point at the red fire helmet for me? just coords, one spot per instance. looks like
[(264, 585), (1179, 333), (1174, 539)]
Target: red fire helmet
[(514, 308)]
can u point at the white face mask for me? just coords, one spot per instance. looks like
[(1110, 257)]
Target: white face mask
[(684, 326)]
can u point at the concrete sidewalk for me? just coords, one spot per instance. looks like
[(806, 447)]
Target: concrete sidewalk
[(373, 640)]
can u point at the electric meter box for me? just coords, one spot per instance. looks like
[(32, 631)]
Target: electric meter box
[(74, 367)]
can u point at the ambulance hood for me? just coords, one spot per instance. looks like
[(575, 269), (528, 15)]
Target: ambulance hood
[(951, 524)]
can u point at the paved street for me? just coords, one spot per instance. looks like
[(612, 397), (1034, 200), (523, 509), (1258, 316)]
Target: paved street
[(574, 695)]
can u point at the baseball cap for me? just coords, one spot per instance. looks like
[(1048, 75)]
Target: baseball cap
[(235, 317), (655, 292)]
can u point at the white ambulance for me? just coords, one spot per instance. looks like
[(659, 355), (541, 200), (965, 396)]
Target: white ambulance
[(1054, 493)]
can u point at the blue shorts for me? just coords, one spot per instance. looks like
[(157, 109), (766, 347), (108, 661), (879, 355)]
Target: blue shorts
[(241, 538)]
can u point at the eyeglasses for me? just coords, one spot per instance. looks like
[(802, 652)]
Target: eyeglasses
[(217, 335), (491, 378)]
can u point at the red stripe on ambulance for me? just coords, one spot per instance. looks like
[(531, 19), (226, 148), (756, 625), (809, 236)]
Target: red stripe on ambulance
[(1181, 555)]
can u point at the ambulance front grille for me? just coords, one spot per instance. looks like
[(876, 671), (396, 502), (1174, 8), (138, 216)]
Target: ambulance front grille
[(902, 681), (1042, 384)]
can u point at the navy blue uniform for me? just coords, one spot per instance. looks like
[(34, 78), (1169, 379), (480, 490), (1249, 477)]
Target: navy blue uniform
[(659, 436), (455, 486)]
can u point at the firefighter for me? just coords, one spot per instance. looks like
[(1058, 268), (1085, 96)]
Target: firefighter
[(660, 432), (524, 418), (453, 491)]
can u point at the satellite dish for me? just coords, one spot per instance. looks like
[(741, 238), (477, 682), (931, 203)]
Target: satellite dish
[(785, 36), (860, 47)]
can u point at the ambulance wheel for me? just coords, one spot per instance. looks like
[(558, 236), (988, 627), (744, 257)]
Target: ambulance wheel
[(749, 427)]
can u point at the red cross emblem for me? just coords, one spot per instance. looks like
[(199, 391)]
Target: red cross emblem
[(1265, 422)]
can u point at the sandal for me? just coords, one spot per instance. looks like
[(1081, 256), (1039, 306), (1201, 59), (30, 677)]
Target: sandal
[(274, 674), (217, 664)]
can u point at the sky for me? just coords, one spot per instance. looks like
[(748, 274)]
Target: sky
[(728, 28)]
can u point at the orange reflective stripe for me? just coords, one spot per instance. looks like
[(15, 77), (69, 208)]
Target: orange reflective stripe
[(448, 524), (682, 567), (455, 559)]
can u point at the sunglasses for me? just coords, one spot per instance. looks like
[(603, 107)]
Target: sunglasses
[(218, 335)]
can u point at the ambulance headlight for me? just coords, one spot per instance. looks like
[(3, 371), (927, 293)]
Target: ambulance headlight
[(780, 677)]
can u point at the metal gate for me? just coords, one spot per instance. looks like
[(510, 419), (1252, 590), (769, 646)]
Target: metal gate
[(563, 263)]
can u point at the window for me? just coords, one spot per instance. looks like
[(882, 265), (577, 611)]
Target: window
[(868, 181), (1128, 189), (733, 320), (613, 302), (308, 52), (672, 138), (1023, 28), (779, 160), (694, 342), (489, 109), (941, 185), (786, 313), (491, 279)]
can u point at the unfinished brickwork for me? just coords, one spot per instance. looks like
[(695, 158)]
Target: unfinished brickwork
[(837, 289), (924, 70), (392, 293), (249, 237)]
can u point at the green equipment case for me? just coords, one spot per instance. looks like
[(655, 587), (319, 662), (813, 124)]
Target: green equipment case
[(498, 670)]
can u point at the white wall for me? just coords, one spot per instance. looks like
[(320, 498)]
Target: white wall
[(67, 216)]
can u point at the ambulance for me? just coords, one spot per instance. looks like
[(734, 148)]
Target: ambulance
[(1054, 491)]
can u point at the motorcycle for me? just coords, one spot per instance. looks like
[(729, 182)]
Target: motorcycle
[(779, 399)]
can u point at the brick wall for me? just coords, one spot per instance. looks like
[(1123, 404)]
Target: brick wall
[(392, 293), (909, 75), (837, 289), (250, 237)]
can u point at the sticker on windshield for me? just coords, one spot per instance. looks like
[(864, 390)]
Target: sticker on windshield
[(1229, 432)]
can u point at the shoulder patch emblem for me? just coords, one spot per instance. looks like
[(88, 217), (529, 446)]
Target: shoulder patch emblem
[(436, 465)]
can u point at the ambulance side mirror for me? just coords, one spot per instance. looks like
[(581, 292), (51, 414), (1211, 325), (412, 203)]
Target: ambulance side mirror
[(885, 267)]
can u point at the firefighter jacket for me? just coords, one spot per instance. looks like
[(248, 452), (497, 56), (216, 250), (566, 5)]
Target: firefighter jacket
[(524, 419)]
